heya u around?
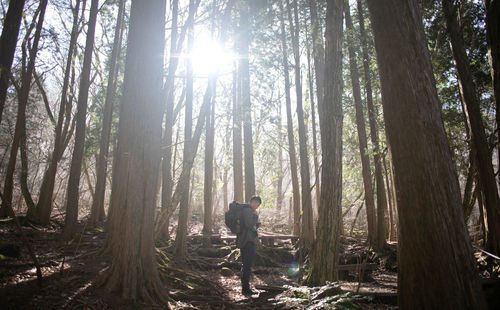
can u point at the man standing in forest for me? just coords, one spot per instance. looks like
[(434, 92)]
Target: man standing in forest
[(246, 241)]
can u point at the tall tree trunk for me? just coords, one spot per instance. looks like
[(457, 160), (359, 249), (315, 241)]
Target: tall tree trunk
[(62, 131), (372, 118), (289, 122), (180, 237), (360, 124), (428, 193), (473, 112), (166, 167), (237, 139), (246, 105), (133, 272), (318, 53), (8, 42), (307, 232), (97, 210), (227, 151), (279, 186), (209, 169), (23, 96), (313, 125), (391, 230), (81, 116), (493, 36), (325, 252)]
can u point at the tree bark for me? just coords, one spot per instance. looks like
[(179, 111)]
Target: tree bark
[(166, 166), (180, 237), (390, 230), (246, 105), (493, 37), (473, 112), (97, 210), (360, 124), (279, 185), (381, 220), (133, 272), (8, 41), (73, 193), (318, 53), (313, 125), (23, 96), (289, 121), (209, 169), (307, 232), (428, 193), (324, 256), (237, 139)]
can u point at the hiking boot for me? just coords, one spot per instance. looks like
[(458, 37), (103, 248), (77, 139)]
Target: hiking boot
[(248, 292)]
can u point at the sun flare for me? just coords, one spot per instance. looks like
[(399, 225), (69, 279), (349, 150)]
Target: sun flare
[(209, 56)]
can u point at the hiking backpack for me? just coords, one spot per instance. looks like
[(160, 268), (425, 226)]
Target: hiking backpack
[(233, 216)]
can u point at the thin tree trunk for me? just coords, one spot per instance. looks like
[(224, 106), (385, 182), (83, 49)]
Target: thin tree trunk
[(87, 177), (246, 105), (428, 193), (289, 121), (23, 96), (372, 116), (81, 115), (324, 256), (318, 53), (470, 191), (180, 237), (209, 169), (279, 185), (473, 112), (167, 182), (97, 210), (227, 150), (237, 139), (8, 41), (30, 204), (482, 219), (314, 134), (390, 230), (307, 232), (360, 124), (355, 219)]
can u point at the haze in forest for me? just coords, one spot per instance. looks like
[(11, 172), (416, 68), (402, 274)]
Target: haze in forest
[(360, 138)]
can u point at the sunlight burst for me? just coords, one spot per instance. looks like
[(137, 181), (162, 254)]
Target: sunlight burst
[(209, 56)]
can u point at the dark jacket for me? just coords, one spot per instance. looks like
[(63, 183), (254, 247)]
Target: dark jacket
[(248, 233)]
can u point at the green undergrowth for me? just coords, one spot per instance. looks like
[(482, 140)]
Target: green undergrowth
[(328, 296)]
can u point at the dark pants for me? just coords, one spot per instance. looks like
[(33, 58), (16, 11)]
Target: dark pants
[(247, 255)]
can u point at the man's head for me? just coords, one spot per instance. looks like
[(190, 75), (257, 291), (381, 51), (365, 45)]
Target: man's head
[(255, 202)]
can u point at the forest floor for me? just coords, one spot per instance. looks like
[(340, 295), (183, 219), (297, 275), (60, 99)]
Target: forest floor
[(207, 280)]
